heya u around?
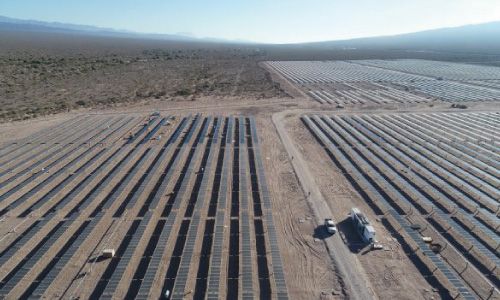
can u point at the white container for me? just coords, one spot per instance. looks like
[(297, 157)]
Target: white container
[(108, 253)]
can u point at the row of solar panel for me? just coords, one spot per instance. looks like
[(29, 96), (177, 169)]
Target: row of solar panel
[(423, 181), (37, 136), (147, 281), (63, 170), (307, 72), (36, 158), (40, 251), (405, 185), (57, 131), (107, 286), (67, 199)]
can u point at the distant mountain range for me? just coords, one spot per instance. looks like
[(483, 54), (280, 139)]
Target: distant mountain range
[(481, 38), (56, 27)]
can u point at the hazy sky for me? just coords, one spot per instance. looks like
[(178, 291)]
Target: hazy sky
[(271, 21)]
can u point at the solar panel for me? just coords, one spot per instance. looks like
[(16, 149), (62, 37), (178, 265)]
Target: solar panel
[(142, 130), (163, 187), (126, 257), (61, 262), (37, 159), (51, 131), (147, 180), (208, 168), (417, 195), (151, 133), (180, 283), (246, 256), (190, 162), (51, 178), (147, 281)]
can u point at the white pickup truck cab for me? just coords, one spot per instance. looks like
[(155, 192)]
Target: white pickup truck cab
[(330, 226)]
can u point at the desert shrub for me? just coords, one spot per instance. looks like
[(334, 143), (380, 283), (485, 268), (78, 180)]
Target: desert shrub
[(182, 92)]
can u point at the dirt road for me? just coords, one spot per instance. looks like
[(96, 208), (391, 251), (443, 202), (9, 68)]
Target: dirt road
[(355, 286)]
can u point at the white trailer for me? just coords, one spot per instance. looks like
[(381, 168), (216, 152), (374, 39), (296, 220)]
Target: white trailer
[(362, 225)]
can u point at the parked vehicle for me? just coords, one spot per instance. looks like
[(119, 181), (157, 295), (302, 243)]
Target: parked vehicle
[(330, 226)]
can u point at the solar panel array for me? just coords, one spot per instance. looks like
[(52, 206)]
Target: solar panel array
[(417, 195), (418, 81), (119, 191), (163, 187), (23, 239), (143, 129), (106, 290), (34, 137), (305, 72), (186, 254), (354, 95), (260, 167), (276, 262), (41, 138), (198, 197), (243, 170), (216, 258), (38, 154), (156, 259), (122, 186), (233, 264), (42, 247), (179, 288), (13, 278), (455, 91), (246, 258), (125, 258), (371, 190), (154, 130), (487, 83), (74, 244), (31, 231), (54, 176), (277, 266), (146, 283), (146, 181), (96, 191), (422, 156), (207, 168), (190, 163), (442, 192), (226, 165), (444, 69)]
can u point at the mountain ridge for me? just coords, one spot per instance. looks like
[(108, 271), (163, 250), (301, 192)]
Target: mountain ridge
[(7, 23), (480, 38)]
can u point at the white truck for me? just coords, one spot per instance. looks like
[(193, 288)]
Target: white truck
[(362, 225), (330, 226)]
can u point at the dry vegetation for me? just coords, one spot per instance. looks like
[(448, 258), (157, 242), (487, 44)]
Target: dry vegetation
[(47, 73), (45, 79)]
